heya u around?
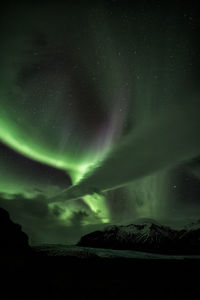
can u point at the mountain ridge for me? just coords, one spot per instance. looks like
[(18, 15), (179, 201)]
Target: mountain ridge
[(147, 236)]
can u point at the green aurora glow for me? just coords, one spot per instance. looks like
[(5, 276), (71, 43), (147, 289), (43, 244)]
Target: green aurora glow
[(112, 102)]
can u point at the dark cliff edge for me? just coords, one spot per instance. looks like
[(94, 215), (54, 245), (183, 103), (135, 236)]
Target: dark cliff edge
[(13, 241)]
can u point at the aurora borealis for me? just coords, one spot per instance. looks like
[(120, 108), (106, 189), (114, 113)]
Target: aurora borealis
[(99, 114)]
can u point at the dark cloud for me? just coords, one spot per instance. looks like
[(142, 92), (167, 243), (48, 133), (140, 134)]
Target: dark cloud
[(45, 224)]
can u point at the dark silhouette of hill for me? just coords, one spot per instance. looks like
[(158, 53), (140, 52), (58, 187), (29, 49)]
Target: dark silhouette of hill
[(12, 239)]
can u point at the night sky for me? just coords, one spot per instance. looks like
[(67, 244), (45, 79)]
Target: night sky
[(99, 115)]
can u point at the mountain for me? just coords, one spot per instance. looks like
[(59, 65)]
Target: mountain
[(147, 237), (12, 239)]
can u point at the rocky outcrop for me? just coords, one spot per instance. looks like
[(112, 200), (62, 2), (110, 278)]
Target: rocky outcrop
[(146, 237), (12, 238)]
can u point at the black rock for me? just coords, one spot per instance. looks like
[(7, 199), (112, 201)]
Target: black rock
[(146, 237), (12, 238)]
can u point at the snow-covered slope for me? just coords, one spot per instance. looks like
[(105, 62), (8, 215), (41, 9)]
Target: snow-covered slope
[(94, 253), (147, 237)]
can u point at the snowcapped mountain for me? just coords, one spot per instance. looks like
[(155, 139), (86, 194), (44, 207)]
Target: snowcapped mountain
[(148, 237)]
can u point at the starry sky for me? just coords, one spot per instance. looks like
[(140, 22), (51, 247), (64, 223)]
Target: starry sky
[(99, 115)]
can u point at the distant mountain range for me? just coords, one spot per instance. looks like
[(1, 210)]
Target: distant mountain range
[(147, 236)]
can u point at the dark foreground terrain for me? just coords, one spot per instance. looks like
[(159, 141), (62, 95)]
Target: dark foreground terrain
[(72, 272), (71, 277)]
